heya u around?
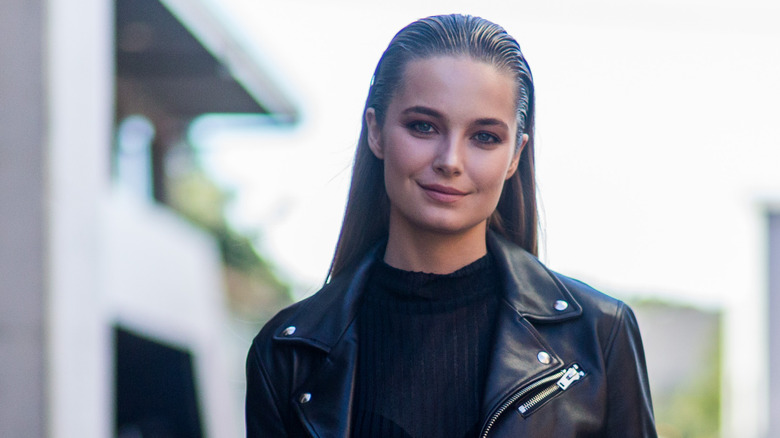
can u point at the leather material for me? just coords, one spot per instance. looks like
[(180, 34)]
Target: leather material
[(597, 332)]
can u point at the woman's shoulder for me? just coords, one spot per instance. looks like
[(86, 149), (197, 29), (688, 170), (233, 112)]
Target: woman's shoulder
[(283, 323), (315, 320), (590, 298), (274, 328), (610, 316), (546, 295)]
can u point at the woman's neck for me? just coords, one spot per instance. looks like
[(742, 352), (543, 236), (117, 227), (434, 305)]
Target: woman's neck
[(434, 253)]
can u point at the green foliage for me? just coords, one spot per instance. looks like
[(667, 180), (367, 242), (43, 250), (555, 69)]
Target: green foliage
[(691, 407), (239, 253), (198, 199), (253, 287), (693, 412)]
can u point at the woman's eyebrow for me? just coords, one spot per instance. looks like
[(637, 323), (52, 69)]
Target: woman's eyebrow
[(423, 110), (491, 122), (487, 121)]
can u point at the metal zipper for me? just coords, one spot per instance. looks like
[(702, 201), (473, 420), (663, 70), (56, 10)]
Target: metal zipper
[(562, 380), (571, 375)]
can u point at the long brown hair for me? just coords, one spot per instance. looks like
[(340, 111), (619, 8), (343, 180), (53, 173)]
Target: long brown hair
[(366, 219)]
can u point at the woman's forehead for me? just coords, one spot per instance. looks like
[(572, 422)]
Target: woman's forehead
[(455, 83)]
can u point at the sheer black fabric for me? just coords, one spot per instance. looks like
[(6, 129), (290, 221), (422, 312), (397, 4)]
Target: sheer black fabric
[(424, 342)]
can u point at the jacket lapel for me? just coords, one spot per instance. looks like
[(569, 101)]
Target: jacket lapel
[(515, 360), (328, 412), (531, 294), (326, 321), (529, 287)]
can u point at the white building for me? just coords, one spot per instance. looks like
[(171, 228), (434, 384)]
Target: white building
[(98, 284)]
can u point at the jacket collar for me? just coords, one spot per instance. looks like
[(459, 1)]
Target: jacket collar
[(322, 319), (530, 289), (326, 321)]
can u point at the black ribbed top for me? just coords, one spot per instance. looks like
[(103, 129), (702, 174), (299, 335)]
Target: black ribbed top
[(424, 348)]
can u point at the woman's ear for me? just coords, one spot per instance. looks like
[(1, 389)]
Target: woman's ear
[(516, 158), (374, 134)]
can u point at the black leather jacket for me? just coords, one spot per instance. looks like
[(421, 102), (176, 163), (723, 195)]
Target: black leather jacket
[(567, 361)]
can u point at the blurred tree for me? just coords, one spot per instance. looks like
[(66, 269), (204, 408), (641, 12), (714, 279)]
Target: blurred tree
[(254, 291), (693, 411), (683, 349)]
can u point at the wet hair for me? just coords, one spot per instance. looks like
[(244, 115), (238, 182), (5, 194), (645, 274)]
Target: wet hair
[(366, 219)]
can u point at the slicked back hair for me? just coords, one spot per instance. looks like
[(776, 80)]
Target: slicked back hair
[(367, 215)]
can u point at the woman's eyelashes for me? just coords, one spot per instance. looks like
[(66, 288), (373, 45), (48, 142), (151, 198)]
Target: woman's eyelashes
[(486, 138), (423, 128)]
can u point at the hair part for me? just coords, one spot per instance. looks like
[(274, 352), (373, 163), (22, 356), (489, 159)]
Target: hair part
[(367, 215)]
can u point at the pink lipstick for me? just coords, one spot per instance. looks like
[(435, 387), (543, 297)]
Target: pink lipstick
[(442, 193)]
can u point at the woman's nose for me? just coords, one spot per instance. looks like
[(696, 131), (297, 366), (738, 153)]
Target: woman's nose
[(449, 157)]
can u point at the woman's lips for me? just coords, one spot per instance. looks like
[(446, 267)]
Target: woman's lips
[(442, 193)]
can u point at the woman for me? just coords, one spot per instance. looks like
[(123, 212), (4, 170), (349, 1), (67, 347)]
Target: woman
[(437, 319)]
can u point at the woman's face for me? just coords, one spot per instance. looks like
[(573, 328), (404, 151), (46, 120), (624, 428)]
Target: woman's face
[(448, 144)]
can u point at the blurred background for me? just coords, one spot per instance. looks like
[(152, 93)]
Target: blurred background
[(173, 172)]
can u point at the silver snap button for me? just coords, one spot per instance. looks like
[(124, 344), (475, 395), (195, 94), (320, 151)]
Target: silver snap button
[(289, 331), (304, 398), (561, 305), (543, 357)]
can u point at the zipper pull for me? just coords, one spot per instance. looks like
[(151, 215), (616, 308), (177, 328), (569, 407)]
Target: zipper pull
[(570, 376)]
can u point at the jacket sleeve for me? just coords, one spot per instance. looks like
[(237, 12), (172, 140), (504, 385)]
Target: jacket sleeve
[(263, 413), (630, 408)]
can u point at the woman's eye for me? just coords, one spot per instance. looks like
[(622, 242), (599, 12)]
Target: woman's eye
[(484, 137), (421, 127)]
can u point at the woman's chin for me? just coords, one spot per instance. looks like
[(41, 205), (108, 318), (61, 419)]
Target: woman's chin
[(446, 227)]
